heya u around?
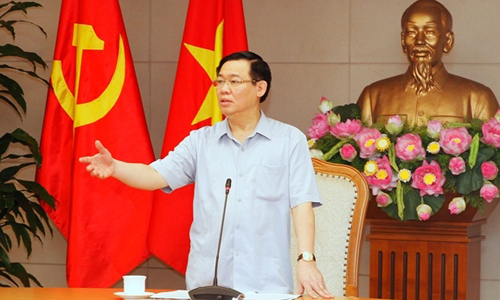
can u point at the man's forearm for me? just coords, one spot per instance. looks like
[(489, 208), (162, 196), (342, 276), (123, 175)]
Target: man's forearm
[(139, 176)]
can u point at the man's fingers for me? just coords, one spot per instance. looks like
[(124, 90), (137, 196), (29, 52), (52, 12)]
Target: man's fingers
[(312, 293), (323, 292)]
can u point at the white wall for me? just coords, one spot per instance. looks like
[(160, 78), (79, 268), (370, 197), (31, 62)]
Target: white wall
[(316, 48)]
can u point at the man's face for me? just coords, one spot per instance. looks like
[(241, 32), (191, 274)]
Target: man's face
[(240, 97), (423, 38)]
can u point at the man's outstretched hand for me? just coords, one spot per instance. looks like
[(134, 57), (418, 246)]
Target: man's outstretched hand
[(100, 165)]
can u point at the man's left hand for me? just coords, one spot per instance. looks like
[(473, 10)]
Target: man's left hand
[(310, 280)]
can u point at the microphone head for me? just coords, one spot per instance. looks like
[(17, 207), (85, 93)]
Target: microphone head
[(228, 185)]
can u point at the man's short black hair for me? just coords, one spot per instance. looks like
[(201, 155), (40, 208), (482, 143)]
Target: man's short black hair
[(259, 69)]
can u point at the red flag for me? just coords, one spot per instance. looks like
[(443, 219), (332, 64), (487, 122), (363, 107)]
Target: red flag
[(95, 96), (214, 29)]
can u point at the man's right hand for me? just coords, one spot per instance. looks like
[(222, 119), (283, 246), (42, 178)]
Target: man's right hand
[(100, 165)]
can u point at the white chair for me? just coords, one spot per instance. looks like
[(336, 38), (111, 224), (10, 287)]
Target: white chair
[(339, 226)]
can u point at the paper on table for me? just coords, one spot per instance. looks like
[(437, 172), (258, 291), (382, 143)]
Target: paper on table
[(269, 296), (181, 294)]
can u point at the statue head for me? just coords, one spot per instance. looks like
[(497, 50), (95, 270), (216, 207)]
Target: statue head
[(426, 33)]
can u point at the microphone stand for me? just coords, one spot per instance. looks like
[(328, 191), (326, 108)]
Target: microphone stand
[(216, 292)]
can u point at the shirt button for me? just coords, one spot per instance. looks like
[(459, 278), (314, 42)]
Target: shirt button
[(421, 113), (236, 253), (242, 149), (239, 199), (237, 226), (241, 174)]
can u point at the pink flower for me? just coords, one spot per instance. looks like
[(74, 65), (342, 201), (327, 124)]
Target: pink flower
[(319, 127), (346, 129), (434, 128), (428, 179), (491, 133), (348, 152), (366, 139), (489, 191), (424, 212), (489, 170), (457, 205), (457, 165), (394, 125), (455, 141), (383, 199), (383, 179), (409, 147)]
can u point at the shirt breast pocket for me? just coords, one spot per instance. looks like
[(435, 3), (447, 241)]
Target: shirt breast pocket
[(270, 182)]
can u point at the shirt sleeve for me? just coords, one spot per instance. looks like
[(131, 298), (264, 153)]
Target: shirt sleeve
[(178, 168), (303, 187)]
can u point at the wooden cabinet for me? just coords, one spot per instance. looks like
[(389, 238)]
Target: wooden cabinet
[(436, 259)]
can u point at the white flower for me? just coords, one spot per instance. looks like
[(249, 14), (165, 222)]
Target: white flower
[(316, 153), (433, 148), (325, 105)]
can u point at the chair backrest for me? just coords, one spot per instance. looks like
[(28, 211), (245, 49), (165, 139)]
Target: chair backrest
[(339, 226)]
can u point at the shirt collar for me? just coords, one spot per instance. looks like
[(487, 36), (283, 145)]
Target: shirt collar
[(440, 77), (263, 127)]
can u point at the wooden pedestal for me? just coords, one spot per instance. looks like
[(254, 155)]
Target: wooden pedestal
[(438, 259)]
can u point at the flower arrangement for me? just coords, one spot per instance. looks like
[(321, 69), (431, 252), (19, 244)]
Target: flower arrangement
[(410, 169)]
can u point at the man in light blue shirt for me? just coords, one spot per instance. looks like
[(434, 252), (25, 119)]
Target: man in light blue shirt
[(271, 172)]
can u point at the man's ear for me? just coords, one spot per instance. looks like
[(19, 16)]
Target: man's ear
[(450, 40), (403, 41), (261, 88)]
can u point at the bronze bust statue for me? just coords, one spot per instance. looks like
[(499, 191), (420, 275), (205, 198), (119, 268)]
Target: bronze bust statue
[(427, 91)]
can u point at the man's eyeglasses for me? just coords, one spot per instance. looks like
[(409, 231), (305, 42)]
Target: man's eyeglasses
[(232, 83)]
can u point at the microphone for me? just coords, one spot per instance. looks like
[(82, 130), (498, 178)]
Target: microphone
[(216, 292)]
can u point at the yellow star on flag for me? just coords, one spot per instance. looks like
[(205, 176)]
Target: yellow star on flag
[(209, 59)]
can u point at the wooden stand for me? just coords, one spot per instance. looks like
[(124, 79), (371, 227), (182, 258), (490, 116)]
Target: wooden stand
[(437, 259)]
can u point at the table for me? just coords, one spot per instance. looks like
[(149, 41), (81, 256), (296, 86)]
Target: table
[(84, 293)]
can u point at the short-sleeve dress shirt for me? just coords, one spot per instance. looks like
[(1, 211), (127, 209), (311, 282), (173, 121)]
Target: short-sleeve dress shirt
[(271, 172)]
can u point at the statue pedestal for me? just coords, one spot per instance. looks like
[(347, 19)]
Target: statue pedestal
[(436, 259)]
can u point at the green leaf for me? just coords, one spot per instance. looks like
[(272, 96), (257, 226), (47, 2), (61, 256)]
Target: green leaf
[(348, 111), (27, 72), (14, 90), (400, 200), (24, 138), (411, 200), (25, 204), (20, 272), (15, 51), (4, 257), (15, 156), (12, 104), (41, 212), (472, 179), (392, 157), (39, 191), (435, 202), (22, 235), (335, 149), (8, 25), (8, 173), (474, 148), (6, 276), (5, 240)]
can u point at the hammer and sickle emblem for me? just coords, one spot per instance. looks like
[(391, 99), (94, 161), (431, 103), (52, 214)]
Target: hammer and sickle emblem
[(85, 38)]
